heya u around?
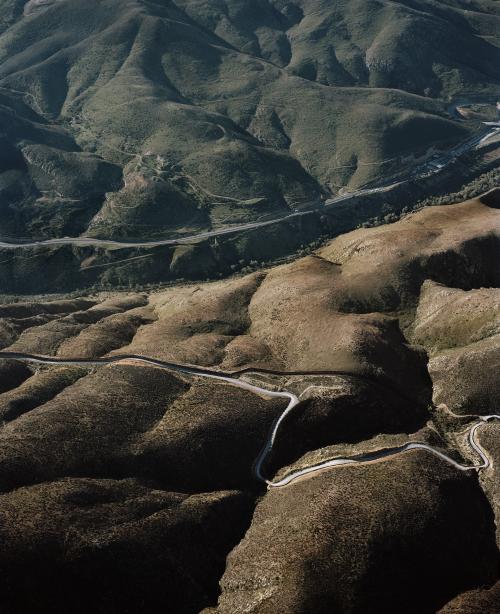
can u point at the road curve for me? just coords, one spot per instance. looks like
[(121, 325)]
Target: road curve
[(231, 378)]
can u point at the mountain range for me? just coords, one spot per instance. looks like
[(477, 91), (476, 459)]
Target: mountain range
[(138, 118)]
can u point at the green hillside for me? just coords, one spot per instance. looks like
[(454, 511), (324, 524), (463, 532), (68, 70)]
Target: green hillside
[(128, 118)]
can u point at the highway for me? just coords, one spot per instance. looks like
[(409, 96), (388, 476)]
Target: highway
[(110, 243), (433, 166), (232, 378)]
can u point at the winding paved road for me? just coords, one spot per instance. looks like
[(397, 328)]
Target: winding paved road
[(232, 379)]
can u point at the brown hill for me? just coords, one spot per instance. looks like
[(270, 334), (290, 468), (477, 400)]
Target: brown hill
[(137, 482)]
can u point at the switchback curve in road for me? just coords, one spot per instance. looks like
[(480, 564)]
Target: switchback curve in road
[(232, 378)]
